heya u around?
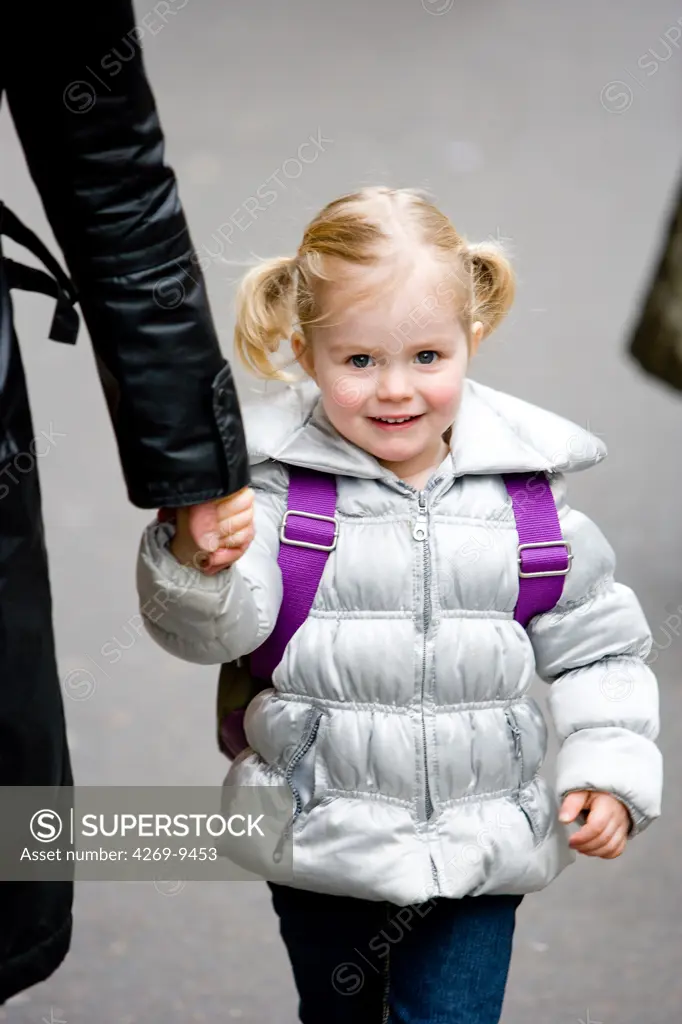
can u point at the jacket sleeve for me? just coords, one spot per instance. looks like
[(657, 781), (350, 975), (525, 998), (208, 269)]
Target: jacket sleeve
[(88, 124), (213, 619), (603, 699)]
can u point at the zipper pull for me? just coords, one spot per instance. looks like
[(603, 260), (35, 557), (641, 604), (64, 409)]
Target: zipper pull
[(516, 732), (278, 852), (421, 527)]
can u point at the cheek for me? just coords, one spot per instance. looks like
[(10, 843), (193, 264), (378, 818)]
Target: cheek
[(443, 395), (346, 393)]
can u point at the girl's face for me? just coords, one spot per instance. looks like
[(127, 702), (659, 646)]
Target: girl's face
[(399, 356)]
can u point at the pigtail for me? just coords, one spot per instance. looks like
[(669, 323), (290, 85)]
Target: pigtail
[(265, 313), (493, 284)]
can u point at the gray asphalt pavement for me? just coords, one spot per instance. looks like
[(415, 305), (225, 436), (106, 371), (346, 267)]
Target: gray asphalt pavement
[(553, 126)]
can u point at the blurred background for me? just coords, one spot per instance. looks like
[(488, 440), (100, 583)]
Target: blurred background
[(553, 127)]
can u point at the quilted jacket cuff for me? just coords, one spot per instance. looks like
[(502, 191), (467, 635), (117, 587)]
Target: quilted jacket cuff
[(166, 569), (617, 761)]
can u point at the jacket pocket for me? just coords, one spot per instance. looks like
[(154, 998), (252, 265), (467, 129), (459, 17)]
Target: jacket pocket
[(513, 727), (529, 738), (521, 795), (300, 776), (300, 770)]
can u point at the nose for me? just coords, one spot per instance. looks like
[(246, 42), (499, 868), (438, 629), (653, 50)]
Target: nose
[(394, 383)]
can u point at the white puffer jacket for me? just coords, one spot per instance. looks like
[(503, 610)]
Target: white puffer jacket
[(406, 687)]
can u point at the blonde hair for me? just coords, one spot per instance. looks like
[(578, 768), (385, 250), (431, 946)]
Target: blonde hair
[(375, 228)]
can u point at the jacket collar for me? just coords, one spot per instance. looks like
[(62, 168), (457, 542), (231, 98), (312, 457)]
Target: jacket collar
[(494, 433)]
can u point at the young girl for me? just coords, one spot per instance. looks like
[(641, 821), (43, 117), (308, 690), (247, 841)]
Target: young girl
[(422, 817)]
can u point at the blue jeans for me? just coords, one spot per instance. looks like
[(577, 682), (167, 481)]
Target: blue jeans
[(363, 962)]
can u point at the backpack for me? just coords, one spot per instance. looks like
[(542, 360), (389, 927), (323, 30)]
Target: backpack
[(309, 532)]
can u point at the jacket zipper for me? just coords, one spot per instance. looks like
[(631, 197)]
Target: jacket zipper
[(421, 533), (299, 753)]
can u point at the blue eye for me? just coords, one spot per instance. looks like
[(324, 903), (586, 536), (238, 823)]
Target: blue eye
[(364, 366), (426, 352)]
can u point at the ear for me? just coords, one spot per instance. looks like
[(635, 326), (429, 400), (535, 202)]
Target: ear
[(303, 354), (477, 332)]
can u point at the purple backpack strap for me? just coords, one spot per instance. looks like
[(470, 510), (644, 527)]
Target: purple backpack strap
[(544, 556), (308, 533)]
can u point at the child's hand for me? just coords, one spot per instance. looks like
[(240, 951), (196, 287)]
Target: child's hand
[(214, 535), (605, 832)]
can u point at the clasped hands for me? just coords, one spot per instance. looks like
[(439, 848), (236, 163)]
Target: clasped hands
[(213, 535)]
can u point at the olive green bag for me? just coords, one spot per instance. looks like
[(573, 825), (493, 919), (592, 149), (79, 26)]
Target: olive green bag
[(236, 689)]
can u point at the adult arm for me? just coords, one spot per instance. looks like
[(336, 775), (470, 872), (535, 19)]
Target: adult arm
[(86, 117)]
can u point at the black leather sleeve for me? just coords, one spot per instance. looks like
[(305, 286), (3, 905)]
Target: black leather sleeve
[(86, 117)]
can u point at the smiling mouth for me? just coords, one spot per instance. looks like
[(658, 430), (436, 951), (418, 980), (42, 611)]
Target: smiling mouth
[(394, 422), (396, 419)]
